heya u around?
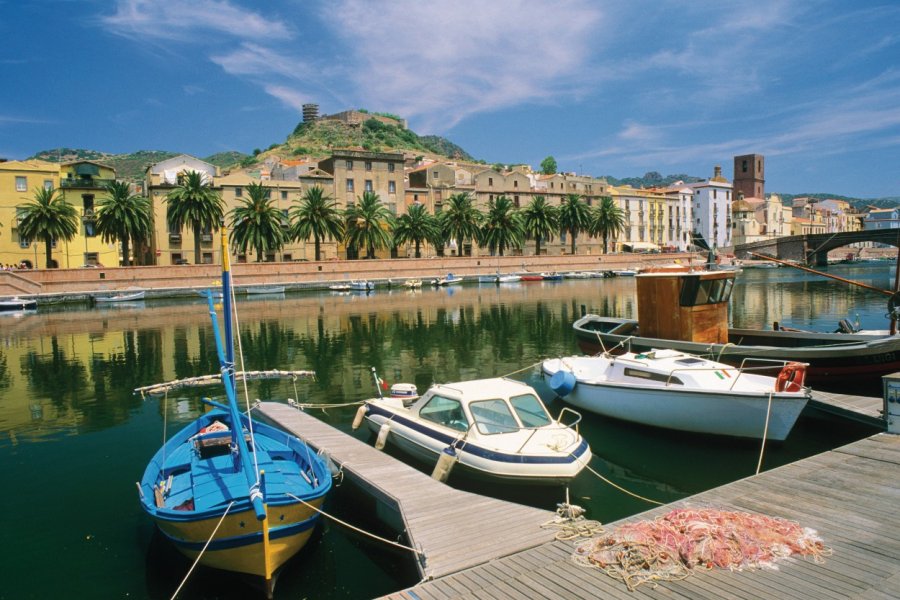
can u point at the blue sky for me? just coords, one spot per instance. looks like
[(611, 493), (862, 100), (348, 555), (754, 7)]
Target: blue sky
[(608, 88)]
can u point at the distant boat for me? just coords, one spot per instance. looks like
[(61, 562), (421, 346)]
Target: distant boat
[(412, 284), (361, 285), (552, 276), (509, 278), (450, 279), (340, 287), (533, 277), (120, 297), (487, 278), (265, 289), (625, 272), (16, 303)]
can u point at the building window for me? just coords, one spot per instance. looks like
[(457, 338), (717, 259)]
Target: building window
[(368, 185), (392, 187), (21, 184), (490, 181), (436, 174), (390, 167), (48, 184), (743, 166), (516, 201), (368, 165), (515, 184), (348, 164), (284, 194), (349, 185), (238, 192)]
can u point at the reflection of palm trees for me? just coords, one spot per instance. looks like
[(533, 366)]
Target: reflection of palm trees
[(323, 353), (4, 373), (55, 376)]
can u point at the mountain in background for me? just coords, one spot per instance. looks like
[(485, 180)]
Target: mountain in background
[(318, 138)]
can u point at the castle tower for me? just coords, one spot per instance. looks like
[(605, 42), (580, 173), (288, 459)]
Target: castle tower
[(750, 175), (310, 112)]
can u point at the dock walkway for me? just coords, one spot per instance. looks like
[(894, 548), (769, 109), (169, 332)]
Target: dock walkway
[(849, 496), (452, 529), (863, 409)]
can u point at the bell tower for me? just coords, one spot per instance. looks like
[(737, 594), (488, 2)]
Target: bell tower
[(750, 175)]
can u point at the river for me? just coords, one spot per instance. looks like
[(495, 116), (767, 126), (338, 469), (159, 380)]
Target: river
[(74, 438)]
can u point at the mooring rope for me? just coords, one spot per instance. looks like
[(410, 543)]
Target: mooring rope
[(354, 527), (205, 546), (762, 448), (621, 489), (524, 369)]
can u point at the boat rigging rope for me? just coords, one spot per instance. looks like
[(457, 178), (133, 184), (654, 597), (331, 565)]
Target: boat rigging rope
[(305, 405), (357, 529), (762, 448), (205, 546), (240, 349)]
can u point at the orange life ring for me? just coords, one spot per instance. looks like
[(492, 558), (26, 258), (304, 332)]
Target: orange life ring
[(791, 377)]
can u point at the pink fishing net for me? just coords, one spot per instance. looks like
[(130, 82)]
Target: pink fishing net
[(671, 546)]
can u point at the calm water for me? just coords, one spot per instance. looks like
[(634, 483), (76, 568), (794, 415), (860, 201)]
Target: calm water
[(74, 439)]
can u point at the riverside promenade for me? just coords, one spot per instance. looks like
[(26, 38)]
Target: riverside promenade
[(51, 285)]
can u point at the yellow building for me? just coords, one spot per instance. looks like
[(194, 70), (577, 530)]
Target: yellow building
[(646, 218), (18, 182), (82, 184)]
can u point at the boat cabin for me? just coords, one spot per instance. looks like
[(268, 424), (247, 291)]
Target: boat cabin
[(690, 305)]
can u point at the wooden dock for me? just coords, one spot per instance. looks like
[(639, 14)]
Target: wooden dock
[(863, 409), (850, 496), (453, 530)]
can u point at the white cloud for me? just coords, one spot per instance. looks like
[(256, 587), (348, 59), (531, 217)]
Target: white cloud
[(289, 96)]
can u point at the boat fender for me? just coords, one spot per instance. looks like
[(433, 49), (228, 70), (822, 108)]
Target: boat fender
[(360, 415), (444, 465), (382, 436), (791, 377), (562, 383)]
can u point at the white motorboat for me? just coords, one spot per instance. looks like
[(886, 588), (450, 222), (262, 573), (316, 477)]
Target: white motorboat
[(361, 285), (120, 297), (264, 289), (509, 278), (450, 279), (340, 287), (488, 278), (493, 428), (18, 304), (412, 284), (675, 390), (625, 272)]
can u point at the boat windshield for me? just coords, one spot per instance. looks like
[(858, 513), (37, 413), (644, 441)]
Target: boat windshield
[(493, 416), (446, 411), (530, 410)]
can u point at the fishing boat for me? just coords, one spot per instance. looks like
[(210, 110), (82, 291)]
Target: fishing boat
[(450, 279), (264, 289), (412, 284), (533, 277), (688, 311), (488, 278), (509, 278), (17, 304), (495, 429), (361, 285), (120, 297), (552, 276), (671, 389), (340, 287), (230, 492)]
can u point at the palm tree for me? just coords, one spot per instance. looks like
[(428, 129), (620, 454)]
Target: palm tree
[(256, 223), (316, 216), (195, 203), (574, 216), (608, 220), (417, 226), (368, 224), (502, 226), (123, 216), (541, 221), (460, 219), (48, 217)]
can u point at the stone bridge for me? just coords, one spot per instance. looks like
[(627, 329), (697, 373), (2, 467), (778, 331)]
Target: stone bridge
[(812, 249)]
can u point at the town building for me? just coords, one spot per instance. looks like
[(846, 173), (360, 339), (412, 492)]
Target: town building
[(711, 210)]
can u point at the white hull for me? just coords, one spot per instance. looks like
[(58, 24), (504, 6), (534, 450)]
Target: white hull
[(135, 297), (698, 409)]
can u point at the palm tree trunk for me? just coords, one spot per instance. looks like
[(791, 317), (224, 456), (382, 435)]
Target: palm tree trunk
[(125, 251), (604, 243), (417, 250), (574, 233), (537, 246), (197, 259), (49, 251), (318, 247)]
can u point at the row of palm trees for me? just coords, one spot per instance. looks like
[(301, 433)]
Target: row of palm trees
[(366, 226)]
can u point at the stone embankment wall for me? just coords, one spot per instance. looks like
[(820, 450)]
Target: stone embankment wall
[(173, 280)]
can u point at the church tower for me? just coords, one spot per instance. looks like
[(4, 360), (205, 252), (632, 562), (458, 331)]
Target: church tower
[(750, 175)]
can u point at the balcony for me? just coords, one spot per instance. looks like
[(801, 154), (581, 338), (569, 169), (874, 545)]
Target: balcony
[(174, 238), (206, 238), (84, 182)]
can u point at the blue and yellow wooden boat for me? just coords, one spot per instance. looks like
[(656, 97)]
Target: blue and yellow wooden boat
[(230, 492)]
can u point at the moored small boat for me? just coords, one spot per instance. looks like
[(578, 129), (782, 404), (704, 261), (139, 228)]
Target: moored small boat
[(412, 284), (18, 304), (492, 428), (509, 278), (265, 289), (450, 279), (674, 390), (533, 277), (361, 285), (120, 297), (552, 276)]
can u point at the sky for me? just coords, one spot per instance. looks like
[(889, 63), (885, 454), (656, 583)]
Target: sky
[(605, 87)]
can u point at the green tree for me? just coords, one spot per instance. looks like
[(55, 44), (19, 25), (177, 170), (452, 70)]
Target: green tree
[(548, 166), (368, 224), (48, 217), (460, 220), (317, 216), (502, 227), (195, 203), (417, 226), (124, 217), (607, 221), (574, 216), (540, 221), (256, 223)]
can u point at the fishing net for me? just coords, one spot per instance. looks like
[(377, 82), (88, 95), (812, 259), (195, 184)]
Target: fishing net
[(672, 546)]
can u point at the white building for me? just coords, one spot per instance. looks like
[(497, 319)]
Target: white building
[(711, 210)]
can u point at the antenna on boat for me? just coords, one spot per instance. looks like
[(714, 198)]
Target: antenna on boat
[(377, 383)]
